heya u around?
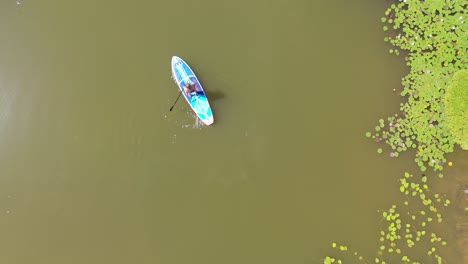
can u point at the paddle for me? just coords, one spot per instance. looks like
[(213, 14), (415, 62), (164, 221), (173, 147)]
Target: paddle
[(175, 101)]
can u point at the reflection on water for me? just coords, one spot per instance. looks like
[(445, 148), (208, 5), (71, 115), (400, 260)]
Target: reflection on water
[(8, 95)]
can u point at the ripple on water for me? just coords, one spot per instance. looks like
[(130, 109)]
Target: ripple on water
[(128, 137), (181, 118)]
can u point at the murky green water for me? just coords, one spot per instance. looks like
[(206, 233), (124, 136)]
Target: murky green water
[(95, 169)]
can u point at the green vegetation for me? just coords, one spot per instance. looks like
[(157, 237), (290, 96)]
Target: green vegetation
[(405, 228), (432, 34), (456, 106)]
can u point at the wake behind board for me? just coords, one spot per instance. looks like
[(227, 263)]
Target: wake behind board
[(182, 74)]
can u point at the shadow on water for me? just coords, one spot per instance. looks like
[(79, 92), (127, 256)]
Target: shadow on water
[(214, 95)]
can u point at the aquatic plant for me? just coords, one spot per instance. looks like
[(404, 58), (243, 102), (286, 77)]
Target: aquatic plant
[(405, 228), (456, 105), (432, 35)]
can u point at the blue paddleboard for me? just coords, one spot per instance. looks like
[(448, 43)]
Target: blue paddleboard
[(182, 74)]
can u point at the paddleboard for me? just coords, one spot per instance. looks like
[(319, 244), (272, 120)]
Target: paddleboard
[(183, 74)]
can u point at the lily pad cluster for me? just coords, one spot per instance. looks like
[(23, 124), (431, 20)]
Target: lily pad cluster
[(456, 105), (432, 35), (406, 228)]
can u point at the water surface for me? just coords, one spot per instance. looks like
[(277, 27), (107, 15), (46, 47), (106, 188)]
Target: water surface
[(95, 169)]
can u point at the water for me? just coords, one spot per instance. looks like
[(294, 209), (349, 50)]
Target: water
[(95, 169)]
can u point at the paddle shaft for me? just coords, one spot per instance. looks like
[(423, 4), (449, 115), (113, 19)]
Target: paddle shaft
[(176, 101)]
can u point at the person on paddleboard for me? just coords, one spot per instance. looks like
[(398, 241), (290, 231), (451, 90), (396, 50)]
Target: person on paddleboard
[(189, 88)]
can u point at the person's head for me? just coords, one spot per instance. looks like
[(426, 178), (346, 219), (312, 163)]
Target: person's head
[(187, 84)]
